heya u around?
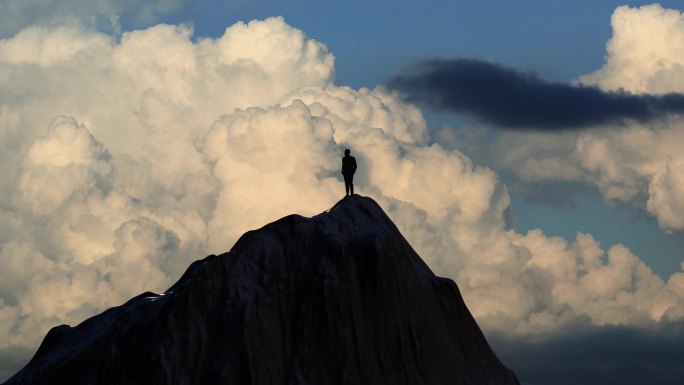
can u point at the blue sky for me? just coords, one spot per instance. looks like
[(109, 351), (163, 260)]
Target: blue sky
[(597, 180), (372, 40)]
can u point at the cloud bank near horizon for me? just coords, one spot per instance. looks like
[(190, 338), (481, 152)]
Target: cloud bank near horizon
[(602, 355), (127, 160)]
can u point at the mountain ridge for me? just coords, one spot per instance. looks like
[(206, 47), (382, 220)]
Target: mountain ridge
[(338, 298)]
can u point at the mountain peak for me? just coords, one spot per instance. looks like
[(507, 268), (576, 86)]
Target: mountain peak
[(339, 298)]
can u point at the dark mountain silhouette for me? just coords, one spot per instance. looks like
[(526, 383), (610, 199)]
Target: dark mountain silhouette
[(340, 298)]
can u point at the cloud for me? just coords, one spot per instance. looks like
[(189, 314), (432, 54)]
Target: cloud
[(119, 200), (638, 163), (650, 155), (513, 99), (126, 159), (643, 55), (16, 15), (596, 356)]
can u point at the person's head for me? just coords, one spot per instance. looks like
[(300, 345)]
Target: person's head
[(347, 152)]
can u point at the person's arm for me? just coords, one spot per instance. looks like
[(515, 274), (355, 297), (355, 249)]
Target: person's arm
[(353, 165)]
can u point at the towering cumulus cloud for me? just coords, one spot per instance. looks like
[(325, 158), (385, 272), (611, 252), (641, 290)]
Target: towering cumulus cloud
[(123, 161)]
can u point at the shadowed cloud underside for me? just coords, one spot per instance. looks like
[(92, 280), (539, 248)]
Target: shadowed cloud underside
[(510, 98)]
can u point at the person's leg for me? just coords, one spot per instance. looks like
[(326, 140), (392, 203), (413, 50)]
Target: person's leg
[(347, 183), (351, 184)]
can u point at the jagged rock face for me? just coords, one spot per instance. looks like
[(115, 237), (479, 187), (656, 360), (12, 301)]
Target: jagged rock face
[(340, 298)]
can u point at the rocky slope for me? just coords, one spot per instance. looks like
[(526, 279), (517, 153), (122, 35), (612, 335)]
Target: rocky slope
[(340, 298)]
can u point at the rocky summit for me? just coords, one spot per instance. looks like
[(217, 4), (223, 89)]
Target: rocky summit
[(339, 298)]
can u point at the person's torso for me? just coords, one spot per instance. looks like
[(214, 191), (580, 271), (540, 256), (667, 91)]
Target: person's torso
[(348, 163)]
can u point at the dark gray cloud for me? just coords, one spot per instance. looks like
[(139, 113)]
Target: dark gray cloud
[(600, 356), (510, 98)]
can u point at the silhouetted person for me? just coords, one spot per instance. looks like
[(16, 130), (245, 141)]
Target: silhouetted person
[(348, 170)]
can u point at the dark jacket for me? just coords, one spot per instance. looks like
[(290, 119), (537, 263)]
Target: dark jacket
[(348, 165)]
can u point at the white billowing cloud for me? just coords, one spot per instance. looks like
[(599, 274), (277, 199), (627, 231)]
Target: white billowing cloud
[(44, 47), (532, 283), (56, 166), (127, 160), (269, 162), (666, 195), (645, 53), (153, 93), (79, 243)]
